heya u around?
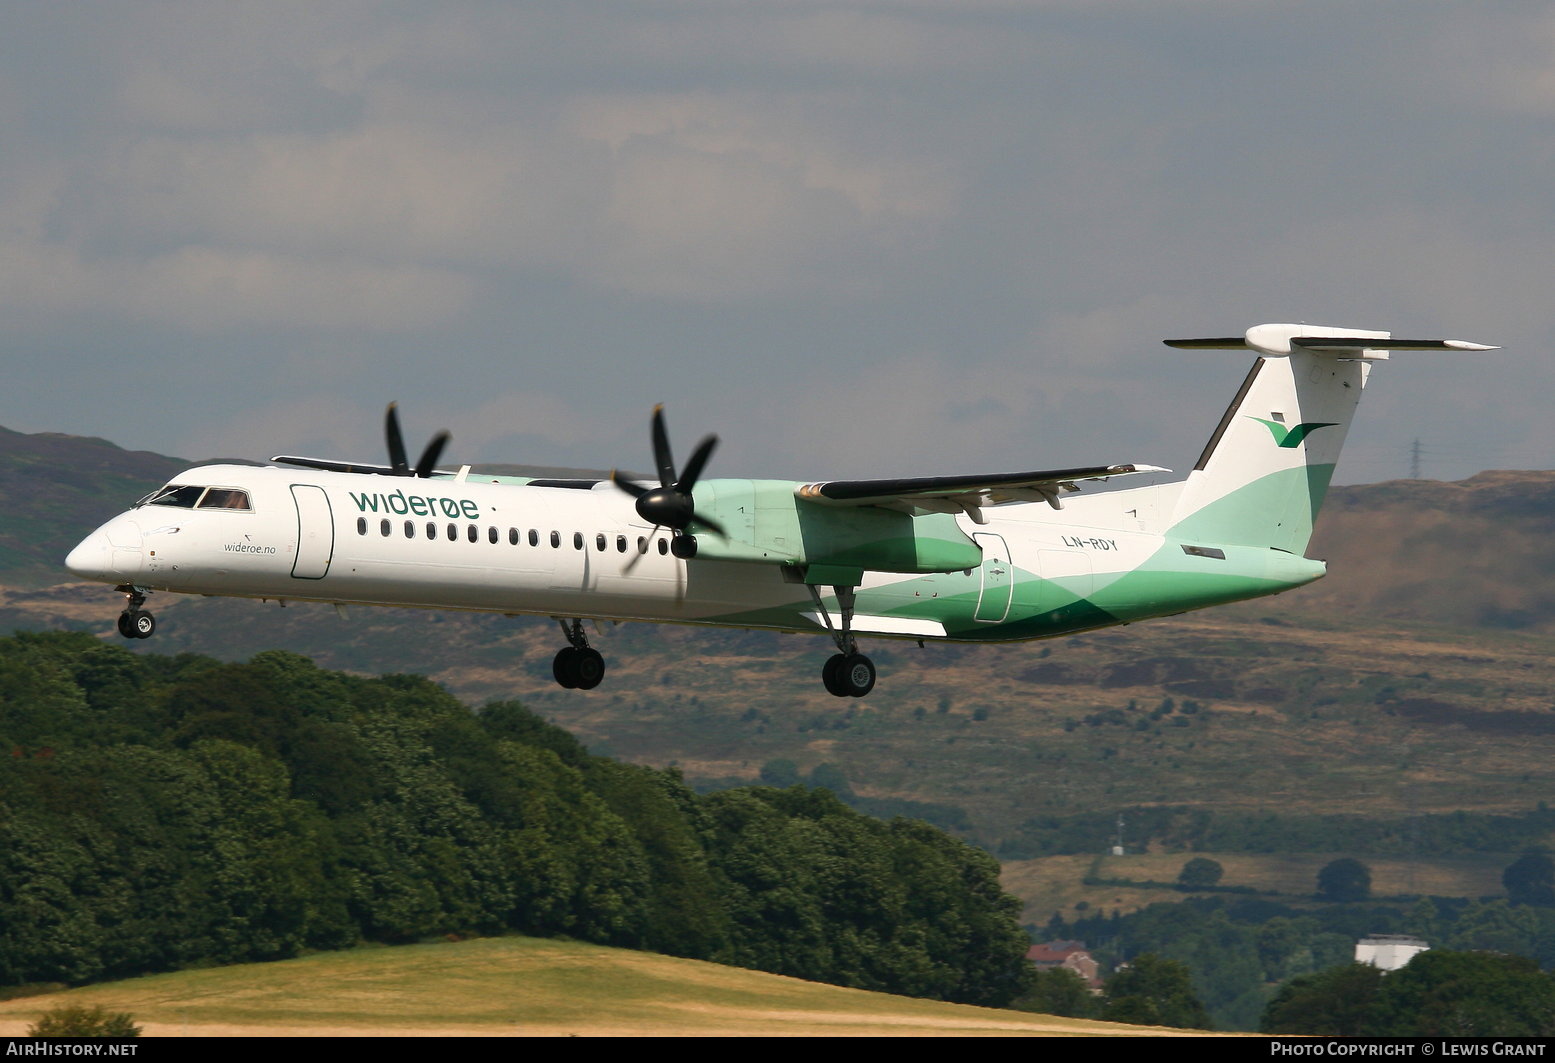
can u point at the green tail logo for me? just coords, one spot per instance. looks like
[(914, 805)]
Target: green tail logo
[(1290, 438)]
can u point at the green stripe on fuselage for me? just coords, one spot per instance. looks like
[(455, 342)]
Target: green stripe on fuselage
[(1170, 581), (1277, 510)]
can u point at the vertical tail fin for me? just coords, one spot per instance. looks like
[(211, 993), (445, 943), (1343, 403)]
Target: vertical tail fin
[(1266, 469)]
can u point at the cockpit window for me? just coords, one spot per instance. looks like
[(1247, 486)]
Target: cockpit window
[(189, 496), (225, 498), (180, 496)]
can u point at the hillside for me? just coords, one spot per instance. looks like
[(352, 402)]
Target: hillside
[(525, 987), (1231, 710), (57, 487), (1415, 679), (1468, 554), (1476, 553)]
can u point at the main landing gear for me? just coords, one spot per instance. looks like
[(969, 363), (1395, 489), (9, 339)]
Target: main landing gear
[(135, 622), (578, 666), (847, 673)]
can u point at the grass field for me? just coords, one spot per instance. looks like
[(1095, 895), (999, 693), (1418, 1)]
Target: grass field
[(1057, 883), (523, 987)]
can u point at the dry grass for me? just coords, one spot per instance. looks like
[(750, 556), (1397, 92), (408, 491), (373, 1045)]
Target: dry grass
[(1056, 883), (524, 986)]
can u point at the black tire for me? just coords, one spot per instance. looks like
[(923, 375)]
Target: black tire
[(565, 669), (126, 628), (143, 624), (831, 675), (589, 668), (856, 675)]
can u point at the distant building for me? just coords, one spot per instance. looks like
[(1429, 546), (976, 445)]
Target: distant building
[(1070, 954), (1388, 951)]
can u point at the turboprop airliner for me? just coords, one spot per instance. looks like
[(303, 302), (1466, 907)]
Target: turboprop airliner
[(985, 558)]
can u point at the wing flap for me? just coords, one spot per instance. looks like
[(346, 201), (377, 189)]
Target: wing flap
[(885, 625)]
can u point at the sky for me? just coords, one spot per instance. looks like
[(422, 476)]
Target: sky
[(867, 238)]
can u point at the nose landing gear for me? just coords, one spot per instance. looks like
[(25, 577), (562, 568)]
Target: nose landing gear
[(135, 622)]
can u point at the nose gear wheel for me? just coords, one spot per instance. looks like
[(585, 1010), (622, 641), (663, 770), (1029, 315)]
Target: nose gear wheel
[(136, 622)]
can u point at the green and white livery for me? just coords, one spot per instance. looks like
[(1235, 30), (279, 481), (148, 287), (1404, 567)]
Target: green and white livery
[(987, 558)]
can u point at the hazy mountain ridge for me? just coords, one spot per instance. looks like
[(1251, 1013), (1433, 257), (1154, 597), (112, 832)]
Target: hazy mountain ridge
[(56, 488), (1475, 553), (1394, 686), (1472, 553)]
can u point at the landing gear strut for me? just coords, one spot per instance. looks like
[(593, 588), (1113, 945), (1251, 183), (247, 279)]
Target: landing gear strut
[(578, 666), (847, 673), (135, 622)]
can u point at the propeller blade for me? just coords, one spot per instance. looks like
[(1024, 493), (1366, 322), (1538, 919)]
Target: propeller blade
[(711, 525), (633, 489), (663, 460), (670, 505), (693, 469), (642, 552), (391, 429), (430, 455)]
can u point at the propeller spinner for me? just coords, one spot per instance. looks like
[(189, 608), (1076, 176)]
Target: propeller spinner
[(670, 504)]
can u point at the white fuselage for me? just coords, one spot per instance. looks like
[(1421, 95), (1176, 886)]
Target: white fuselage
[(562, 551)]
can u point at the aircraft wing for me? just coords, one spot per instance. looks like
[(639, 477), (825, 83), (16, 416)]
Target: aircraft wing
[(958, 494), (331, 465)]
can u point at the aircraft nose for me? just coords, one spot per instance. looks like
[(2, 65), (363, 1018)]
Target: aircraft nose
[(111, 554), (91, 557)]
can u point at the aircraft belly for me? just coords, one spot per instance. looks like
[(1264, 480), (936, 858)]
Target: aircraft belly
[(660, 588)]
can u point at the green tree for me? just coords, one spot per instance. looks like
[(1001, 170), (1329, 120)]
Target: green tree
[(76, 1021), (1340, 1002), (830, 777), (780, 772), (1530, 879), (1345, 879), (1200, 873), (1469, 994), (1058, 991), (1154, 991), (1437, 994)]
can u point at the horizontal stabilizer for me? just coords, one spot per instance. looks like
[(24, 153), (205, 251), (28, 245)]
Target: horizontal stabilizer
[(1321, 343), (1279, 340), (1226, 343)]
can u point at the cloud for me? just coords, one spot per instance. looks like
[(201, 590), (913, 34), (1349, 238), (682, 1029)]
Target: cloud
[(206, 289)]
